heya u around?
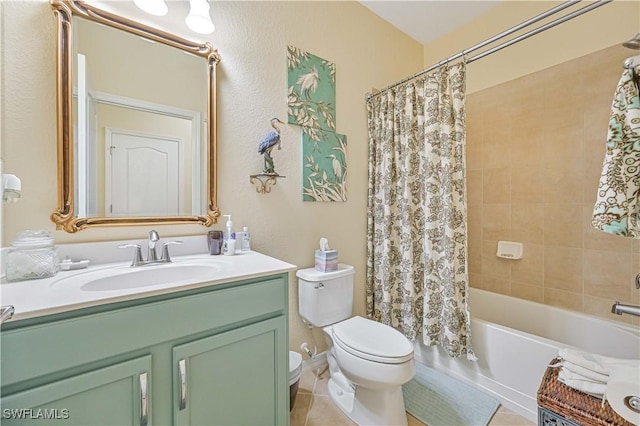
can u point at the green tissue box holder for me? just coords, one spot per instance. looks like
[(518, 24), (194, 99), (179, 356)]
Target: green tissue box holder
[(326, 261)]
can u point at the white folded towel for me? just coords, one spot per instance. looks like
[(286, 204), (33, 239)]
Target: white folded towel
[(594, 362), (588, 372), (583, 372), (596, 389)]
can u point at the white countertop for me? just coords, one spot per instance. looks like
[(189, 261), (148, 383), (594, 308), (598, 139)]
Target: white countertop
[(62, 293)]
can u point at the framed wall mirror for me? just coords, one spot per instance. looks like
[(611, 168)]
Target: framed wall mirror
[(136, 112)]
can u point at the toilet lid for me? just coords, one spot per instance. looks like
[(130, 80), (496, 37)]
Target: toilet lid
[(372, 340)]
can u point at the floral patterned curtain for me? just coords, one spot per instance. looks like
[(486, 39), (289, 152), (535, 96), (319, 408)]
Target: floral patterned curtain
[(417, 280)]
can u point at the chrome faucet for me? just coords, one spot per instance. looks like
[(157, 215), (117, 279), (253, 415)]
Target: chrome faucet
[(152, 254), (620, 308)]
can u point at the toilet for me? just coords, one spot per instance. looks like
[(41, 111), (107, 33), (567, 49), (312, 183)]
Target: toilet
[(368, 361)]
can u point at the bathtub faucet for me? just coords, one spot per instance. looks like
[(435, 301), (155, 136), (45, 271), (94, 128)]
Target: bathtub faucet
[(620, 308)]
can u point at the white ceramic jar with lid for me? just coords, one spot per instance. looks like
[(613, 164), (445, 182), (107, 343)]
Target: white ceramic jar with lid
[(32, 256)]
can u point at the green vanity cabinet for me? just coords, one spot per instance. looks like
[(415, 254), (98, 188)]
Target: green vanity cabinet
[(114, 395), (246, 391), (215, 355)]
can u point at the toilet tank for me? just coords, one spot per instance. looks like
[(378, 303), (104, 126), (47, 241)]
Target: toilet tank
[(325, 297)]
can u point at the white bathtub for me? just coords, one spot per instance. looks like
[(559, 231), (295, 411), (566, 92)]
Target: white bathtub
[(515, 339)]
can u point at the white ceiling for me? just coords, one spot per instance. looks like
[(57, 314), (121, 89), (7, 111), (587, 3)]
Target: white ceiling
[(426, 20), (422, 20)]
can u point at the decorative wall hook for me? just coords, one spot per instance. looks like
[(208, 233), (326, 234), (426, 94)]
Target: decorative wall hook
[(264, 181)]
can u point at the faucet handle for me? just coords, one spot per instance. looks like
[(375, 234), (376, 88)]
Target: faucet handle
[(137, 254), (165, 250)]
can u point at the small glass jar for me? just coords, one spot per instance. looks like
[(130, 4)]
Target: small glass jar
[(32, 256)]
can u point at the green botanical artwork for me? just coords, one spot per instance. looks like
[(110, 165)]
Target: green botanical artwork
[(324, 173), (312, 92)]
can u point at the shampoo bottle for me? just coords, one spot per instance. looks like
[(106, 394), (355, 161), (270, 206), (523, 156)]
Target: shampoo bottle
[(229, 244), (245, 243)]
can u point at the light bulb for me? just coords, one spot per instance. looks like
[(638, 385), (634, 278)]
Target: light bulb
[(198, 19), (152, 7)]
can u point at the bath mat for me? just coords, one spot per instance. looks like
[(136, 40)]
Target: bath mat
[(440, 400)]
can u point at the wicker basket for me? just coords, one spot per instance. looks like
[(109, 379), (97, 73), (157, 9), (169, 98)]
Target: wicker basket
[(574, 405)]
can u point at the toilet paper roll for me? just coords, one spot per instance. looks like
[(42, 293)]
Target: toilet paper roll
[(623, 385)]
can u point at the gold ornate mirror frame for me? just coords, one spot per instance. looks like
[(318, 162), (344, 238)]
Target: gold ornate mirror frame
[(64, 217)]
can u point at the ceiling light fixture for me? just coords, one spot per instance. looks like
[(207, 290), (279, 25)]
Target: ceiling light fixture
[(152, 7), (198, 19)]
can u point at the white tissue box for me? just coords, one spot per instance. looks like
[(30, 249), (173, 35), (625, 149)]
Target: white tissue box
[(326, 261)]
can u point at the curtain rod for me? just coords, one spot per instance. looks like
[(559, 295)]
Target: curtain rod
[(503, 34)]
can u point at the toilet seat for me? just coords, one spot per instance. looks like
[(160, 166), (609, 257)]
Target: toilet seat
[(372, 341)]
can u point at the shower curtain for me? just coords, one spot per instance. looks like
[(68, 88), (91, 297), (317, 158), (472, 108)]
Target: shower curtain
[(417, 279)]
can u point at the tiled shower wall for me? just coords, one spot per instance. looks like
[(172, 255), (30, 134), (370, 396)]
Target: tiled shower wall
[(535, 147)]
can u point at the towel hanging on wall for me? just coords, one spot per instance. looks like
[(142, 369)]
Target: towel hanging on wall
[(617, 207)]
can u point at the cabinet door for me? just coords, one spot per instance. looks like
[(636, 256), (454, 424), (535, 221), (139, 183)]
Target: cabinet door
[(114, 395), (239, 377)]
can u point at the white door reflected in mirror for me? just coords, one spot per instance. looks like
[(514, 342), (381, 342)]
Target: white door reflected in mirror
[(144, 174)]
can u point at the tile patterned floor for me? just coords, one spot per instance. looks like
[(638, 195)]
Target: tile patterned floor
[(313, 407)]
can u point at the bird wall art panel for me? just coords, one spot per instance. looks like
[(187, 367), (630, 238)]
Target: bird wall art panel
[(324, 174), (312, 92)]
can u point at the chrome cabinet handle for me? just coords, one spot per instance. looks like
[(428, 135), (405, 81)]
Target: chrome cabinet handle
[(144, 400), (6, 313), (182, 369)]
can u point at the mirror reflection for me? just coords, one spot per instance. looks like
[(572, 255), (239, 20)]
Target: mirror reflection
[(136, 122), (139, 114)]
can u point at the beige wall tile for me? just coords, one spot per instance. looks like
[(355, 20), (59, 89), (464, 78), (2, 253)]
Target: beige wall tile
[(496, 107), (563, 181), (565, 141), (527, 144), (528, 100), (562, 93), (563, 268), (495, 146), (474, 187), (496, 284), (525, 184), (496, 221), (527, 223), (496, 186), (530, 269), (563, 224), (606, 274), (563, 299), (528, 292)]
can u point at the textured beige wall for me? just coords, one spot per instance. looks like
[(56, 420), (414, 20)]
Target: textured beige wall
[(535, 147), (590, 32), (252, 39)]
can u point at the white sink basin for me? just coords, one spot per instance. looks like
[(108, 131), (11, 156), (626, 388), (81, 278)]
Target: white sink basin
[(123, 278)]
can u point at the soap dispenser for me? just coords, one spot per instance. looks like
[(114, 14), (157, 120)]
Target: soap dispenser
[(229, 244)]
